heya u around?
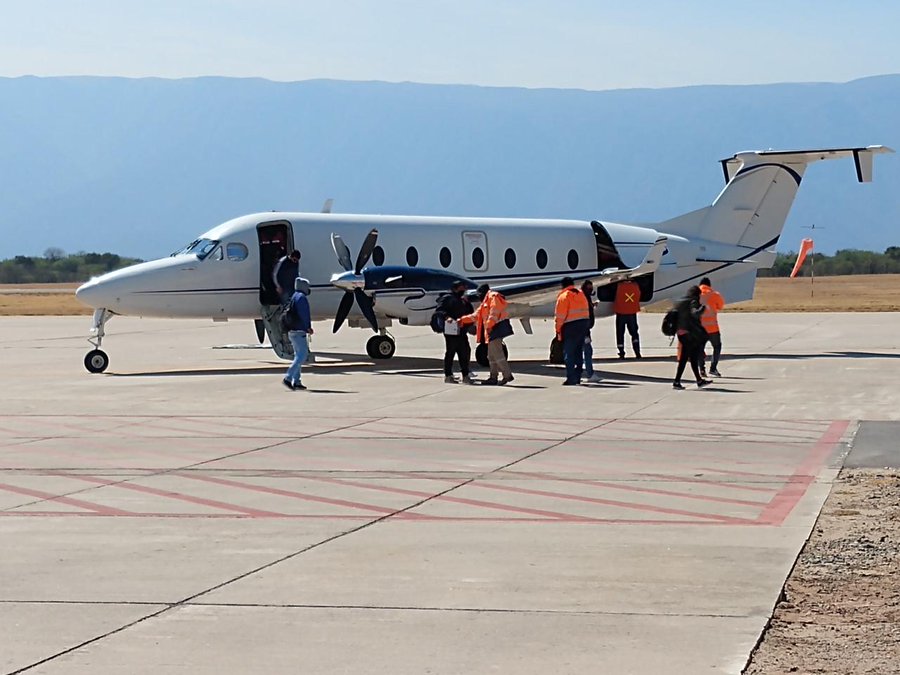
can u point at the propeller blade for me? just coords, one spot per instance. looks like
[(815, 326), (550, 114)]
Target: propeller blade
[(367, 306), (260, 330), (365, 252), (342, 311), (341, 251)]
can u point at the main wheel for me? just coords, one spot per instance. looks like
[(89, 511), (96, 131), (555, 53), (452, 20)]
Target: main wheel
[(96, 361), (380, 347), (481, 356)]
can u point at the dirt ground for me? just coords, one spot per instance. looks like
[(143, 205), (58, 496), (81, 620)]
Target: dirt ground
[(840, 611), (868, 293)]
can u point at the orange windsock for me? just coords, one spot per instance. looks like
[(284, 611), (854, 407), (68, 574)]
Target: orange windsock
[(805, 247)]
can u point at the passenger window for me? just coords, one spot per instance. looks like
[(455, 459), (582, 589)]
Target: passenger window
[(412, 256), (572, 259), (477, 257), (378, 256), (541, 258), (509, 258), (236, 251), (445, 257)]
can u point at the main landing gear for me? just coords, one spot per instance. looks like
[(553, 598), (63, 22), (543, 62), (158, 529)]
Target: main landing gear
[(96, 360), (381, 346)]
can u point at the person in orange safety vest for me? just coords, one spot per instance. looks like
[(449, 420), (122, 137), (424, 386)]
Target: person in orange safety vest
[(572, 326), (492, 326), (626, 307), (714, 302)]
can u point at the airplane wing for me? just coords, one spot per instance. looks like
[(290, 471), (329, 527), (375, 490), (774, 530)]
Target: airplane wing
[(545, 290)]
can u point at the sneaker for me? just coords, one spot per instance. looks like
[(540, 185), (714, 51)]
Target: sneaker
[(299, 387), (622, 356), (703, 383), (677, 385), (595, 378), (638, 356), (570, 384), (489, 381), (506, 379), (449, 379), (287, 383), (715, 371), (469, 380)]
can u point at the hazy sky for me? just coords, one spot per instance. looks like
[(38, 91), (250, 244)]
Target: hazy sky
[(590, 44)]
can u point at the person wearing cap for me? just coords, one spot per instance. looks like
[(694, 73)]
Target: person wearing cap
[(300, 327), (572, 318), (492, 326), (455, 306), (286, 270)]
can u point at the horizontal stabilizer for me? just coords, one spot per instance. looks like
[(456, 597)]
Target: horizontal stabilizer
[(862, 157)]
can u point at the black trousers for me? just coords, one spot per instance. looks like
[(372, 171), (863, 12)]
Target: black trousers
[(715, 339), (691, 350), (457, 345), (628, 321)]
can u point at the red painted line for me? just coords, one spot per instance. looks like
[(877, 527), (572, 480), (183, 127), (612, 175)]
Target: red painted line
[(175, 495), (95, 508), (749, 474), (455, 500), (703, 481), (633, 488), (787, 498), (294, 495), (610, 502)]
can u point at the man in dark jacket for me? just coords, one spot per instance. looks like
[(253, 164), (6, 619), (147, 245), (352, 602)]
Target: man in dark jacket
[(300, 327), (286, 270), (691, 336), (456, 305)]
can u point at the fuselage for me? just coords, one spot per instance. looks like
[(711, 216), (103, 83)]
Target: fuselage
[(224, 273)]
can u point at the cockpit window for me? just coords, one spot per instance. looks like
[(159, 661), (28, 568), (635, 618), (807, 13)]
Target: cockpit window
[(199, 247)]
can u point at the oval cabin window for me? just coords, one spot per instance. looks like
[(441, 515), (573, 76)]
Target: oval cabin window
[(477, 258), (412, 256), (445, 257), (572, 259), (541, 258), (509, 258)]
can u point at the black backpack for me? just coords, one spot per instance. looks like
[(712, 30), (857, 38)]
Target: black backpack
[(670, 323), (287, 318), (439, 318)]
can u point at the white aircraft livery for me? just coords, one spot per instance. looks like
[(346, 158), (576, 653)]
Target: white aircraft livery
[(403, 263)]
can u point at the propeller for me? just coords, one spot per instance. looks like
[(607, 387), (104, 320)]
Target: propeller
[(366, 305)]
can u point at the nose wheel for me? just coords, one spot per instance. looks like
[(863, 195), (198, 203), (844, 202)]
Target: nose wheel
[(96, 361), (381, 347)]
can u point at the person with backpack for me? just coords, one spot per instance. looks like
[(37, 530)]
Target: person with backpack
[(299, 324), (588, 289), (452, 307), (691, 336)]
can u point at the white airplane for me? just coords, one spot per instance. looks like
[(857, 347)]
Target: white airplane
[(405, 262)]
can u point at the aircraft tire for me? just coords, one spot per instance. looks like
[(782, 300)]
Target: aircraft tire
[(380, 347), (96, 361)]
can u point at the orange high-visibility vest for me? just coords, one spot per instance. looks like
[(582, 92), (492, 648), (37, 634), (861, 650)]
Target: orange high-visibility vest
[(571, 305), (714, 302), (490, 312), (628, 298)]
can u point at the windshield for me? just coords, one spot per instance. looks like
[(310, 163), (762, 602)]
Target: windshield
[(199, 247)]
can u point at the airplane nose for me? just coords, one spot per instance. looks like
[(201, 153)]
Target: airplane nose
[(89, 293)]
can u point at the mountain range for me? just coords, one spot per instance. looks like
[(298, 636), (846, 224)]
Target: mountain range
[(140, 167)]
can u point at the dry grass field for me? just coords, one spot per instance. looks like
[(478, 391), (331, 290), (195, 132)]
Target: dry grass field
[(861, 293)]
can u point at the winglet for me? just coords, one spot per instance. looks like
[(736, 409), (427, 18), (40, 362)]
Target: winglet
[(326, 207)]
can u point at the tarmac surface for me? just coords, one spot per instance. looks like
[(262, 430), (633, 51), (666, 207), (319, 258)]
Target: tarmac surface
[(184, 513)]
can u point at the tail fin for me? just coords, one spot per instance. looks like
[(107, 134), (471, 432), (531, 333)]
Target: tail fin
[(759, 191)]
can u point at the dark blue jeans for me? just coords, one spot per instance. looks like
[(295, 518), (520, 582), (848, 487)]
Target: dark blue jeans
[(573, 334)]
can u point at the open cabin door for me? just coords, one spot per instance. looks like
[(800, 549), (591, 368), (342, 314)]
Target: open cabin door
[(608, 256), (275, 240)]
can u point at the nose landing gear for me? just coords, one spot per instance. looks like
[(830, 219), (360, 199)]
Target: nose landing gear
[(381, 346), (96, 360)]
